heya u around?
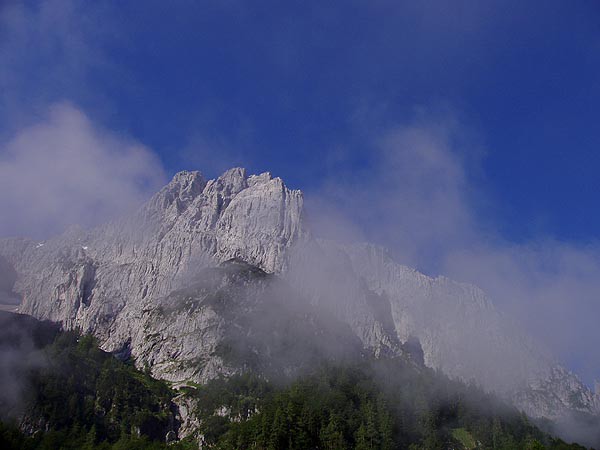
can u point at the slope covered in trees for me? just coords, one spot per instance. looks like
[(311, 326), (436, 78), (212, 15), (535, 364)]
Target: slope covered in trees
[(61, 391), (362, 407), (68, 394)]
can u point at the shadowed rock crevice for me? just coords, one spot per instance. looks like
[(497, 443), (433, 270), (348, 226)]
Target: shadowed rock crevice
[(8, 278)]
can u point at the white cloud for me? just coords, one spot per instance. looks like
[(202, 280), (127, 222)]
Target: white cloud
[(64, 170), (551, 287), (413, 196), (419, 197)]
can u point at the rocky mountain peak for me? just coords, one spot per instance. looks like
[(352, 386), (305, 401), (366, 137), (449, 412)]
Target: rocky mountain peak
[(229, 183), (188, 184), (186, 178), (177, 195), (259, 179)]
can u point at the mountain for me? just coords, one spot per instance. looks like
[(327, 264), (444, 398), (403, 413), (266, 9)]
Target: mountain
[(168, 286)]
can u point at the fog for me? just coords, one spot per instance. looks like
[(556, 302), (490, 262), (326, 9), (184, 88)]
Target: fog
[(21, 339), (64, 170), (423, 196), (420, 195), (417, 196), (421, 192)]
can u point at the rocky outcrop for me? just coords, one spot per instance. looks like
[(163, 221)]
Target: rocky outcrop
[(235, 318), (463, 335), (141, 285), (103, 280)]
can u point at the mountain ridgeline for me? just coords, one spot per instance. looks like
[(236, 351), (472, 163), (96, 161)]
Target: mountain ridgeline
[(214, 284)]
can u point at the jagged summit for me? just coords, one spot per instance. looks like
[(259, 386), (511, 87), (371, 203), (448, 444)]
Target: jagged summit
[(107, 280), (186, 177), (181, 190), (227, 200)]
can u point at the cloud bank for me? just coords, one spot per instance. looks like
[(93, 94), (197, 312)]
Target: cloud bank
[(64, 170), (422, 195)]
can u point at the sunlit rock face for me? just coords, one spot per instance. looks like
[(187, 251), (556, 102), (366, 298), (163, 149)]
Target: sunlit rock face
[(120, 281), (101, 280)]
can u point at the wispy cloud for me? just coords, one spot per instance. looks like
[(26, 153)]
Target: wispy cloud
[(65, 170), (421, 194)]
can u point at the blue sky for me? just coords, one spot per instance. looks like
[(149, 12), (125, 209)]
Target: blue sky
[(502, 99), (281, 84)]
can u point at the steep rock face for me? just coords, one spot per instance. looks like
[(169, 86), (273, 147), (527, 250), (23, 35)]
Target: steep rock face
[(102, 280), (236, 317), (323, 272), (452, 320), (139, 284), (463, 335), (556, 394)]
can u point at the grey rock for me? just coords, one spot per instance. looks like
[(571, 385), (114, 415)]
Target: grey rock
[(462, 334)]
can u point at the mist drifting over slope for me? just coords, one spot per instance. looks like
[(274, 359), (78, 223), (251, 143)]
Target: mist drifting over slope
[(93, 119), (422, 195), (420, 192), (324, 273), (417, 196)]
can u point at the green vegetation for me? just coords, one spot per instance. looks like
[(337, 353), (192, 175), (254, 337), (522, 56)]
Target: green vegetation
[(77, 439), (83, 398), (465, 438), (361, 407)]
